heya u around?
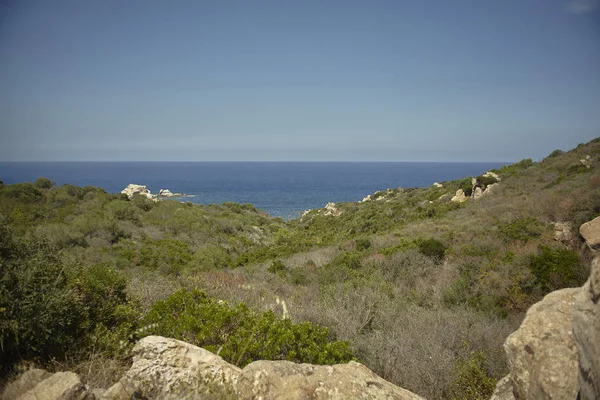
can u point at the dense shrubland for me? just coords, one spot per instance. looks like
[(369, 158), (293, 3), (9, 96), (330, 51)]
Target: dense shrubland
[(421, 289)]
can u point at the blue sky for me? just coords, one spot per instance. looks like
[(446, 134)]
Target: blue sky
[(402, 80)]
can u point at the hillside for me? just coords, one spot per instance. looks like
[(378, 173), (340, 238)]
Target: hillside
[(421, 289)]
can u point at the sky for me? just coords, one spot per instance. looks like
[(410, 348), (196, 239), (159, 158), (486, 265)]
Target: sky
[(326, 80)]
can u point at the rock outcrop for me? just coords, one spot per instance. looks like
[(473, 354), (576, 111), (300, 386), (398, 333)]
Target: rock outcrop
[(555, 354), (587, 161), (288, 380), (542, 355), (38, 384), (586, 331), (438, 185), (459, 197), (563, 232), (132, 189), (331, 209), (171, 369), (590, 231)]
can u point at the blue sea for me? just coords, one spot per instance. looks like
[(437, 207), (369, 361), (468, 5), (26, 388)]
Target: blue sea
[(283, 189)]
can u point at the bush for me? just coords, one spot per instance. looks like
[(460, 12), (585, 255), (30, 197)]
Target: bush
[(522, 229), (466, 185), (555, 268), (362, 244), (49, 309), (471, 381), (22, 192), (276, 267), (432, 248), (240, 335), (486, 180), (43, 183), (555, 153)]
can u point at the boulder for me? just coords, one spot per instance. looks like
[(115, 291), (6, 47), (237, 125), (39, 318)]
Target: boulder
[(492, 175), (586, 331), (586, 161), (368, 198), (28, 380), (133, 189), (171, 369), (437, 185), (563, 232), (165, 193), (591, 233), (58, 386), (542, 355), (331, 209), (477, 193), (504, 390), (459, 197), (270, 380), (490, 189)]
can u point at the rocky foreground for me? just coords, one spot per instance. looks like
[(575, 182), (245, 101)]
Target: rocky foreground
[(555, 354)]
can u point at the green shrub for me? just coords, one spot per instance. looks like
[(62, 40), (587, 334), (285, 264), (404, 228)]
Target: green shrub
[(276, 267), (555, 153), (362, 244), (486, 180), (432, 248), (241, 335), (523, 229), (471, 379), (555, 268), (22, 192), (43, 183), (49, 309), (466, 185)]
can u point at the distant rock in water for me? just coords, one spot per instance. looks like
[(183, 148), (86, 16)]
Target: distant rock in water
[(133, 189)]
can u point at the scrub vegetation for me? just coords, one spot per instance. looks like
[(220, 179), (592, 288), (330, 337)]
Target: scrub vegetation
[(422, 290)]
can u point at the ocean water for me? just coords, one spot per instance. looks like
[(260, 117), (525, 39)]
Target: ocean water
[(283, 189)]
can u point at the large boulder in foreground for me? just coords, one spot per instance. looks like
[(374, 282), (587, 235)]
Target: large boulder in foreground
[(591, 233), (287, 380), (171, 369), (586, 330), (542, 355)]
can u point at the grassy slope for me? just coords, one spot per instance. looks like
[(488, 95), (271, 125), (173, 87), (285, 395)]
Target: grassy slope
[(371, 275)]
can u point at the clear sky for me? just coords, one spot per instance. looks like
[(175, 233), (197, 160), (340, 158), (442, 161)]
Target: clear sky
[(401, 80)]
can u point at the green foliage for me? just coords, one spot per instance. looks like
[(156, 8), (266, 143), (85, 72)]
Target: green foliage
[(241, 336), (432, 248), (471, 379), (43, 183), (486, 180), (22, 192), (362, 244), (555, 153), (466, 185), (168, 256), (523, 229), (51, 309), (276, 267), (555, 268)]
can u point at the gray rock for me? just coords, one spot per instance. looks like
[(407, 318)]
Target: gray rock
[(268, 380), (490, 189), (586, 330), (58, 386), (563, 232), (26, 381), (504, 390), (542, 355), (171, 369), (591, 233), (477, 193)]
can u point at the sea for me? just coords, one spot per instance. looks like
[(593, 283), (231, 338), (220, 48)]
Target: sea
[(282, 189)]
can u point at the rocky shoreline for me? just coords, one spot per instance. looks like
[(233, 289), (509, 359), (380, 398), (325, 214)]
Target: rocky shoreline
[(133, 189)]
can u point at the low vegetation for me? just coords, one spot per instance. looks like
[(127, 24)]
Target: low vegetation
[(421, 289)]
